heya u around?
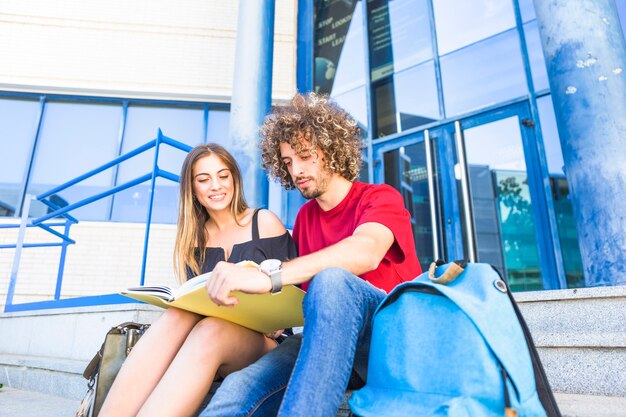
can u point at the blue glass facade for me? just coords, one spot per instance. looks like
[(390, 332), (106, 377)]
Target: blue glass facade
[(49, 140), (454, 104), (465, 85)]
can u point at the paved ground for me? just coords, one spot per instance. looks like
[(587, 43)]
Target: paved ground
[(17, 403)]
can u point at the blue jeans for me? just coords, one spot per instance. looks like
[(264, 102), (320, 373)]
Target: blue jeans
[(307, 375)]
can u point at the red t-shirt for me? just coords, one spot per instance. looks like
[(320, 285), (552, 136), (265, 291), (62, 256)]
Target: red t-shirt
[(316, 229)]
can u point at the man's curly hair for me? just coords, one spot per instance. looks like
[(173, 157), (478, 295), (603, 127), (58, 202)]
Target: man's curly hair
[(307, 122)]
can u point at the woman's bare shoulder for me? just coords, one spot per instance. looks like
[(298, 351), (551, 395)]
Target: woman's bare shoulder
[(269, 224)]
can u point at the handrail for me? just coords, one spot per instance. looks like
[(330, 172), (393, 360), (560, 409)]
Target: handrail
[(57, 211)]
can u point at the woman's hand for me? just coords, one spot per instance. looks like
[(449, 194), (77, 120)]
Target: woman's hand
[(227, 277), (275, 334)]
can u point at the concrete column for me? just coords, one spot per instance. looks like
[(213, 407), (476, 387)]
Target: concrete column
[(252, 93), (585, 56)]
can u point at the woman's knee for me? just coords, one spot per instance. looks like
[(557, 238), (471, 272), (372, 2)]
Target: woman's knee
[(178, 317), (209, 332)]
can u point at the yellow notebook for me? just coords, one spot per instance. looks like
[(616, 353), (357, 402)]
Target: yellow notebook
[(261, 312)]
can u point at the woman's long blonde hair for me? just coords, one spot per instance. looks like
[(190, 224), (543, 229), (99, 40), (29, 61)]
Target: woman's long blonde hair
[(192, 216)]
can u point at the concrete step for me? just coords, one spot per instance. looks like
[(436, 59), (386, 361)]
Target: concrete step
[(581, 338), (48, 350), (20, 403), (580, 334)]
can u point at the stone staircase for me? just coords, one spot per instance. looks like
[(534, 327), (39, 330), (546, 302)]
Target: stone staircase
[(581, 338), (580, 334)]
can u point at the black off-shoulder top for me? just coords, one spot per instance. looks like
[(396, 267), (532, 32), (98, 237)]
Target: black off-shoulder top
[(258, 249)]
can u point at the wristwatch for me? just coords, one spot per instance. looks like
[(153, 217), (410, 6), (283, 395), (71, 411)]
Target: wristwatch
[(272, 268)]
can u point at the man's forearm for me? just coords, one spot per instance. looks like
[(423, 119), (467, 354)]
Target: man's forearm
[(358, 254)]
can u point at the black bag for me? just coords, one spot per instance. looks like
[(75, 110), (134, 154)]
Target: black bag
[(106, 363)]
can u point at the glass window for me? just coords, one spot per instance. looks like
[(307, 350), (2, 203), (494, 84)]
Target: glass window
[(217, 129), (417, 102), (550, 134), (384, 108), (563, 209), (338, 46), (18, 119), (461, 23), (484, 74), (535, 56), (504, 225), (75, 138), (350, 71), (527, 9), (184, 124), (410, 33), (404, 94), (355, 103)]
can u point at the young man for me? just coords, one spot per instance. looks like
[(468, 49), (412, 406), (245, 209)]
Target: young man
[(355, 244)]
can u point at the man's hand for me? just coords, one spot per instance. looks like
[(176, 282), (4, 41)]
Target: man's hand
[(227, 277)]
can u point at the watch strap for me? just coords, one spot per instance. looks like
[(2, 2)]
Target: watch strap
[(277, 281)]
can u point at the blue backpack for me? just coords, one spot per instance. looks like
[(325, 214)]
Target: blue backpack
[(453, 344)]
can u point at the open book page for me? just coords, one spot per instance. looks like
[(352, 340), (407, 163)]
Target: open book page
[(261, 312), (169, 294)]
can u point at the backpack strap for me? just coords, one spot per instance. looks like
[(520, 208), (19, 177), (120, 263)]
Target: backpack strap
[(455, 269), (255, 224), (546, 397)]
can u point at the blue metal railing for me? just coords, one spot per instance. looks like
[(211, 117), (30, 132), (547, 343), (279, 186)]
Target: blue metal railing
[(48, 221)]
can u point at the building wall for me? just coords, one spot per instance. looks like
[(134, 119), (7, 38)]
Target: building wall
[(106, 258), (144, 48), (154, 49)]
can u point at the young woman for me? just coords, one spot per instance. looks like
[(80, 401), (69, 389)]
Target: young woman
[(170, 370)]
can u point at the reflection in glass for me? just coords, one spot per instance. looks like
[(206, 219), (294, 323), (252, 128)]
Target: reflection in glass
[(410, 33), (527, 9), (384, 108), (337, 46), (18, 120), (416, 97), (563, 209), (461, 23), (75, 138), (350, 69), (504, 226), (568, 233), (484, 74), (340, 56), (535, 56), (404, 91), (550, 134), (405, 170), (184, 124), (355, 103), (379, 39)]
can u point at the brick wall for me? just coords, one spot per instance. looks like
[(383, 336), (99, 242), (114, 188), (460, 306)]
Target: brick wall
[(143, 48)]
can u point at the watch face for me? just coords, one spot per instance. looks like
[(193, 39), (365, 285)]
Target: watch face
[(270, 265)]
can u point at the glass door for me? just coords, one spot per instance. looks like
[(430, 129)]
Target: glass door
[(408, 166), (475, 191), (502, 206), (497, 202)]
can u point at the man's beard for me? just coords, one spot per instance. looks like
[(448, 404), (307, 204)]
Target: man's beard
[(321, 183)]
